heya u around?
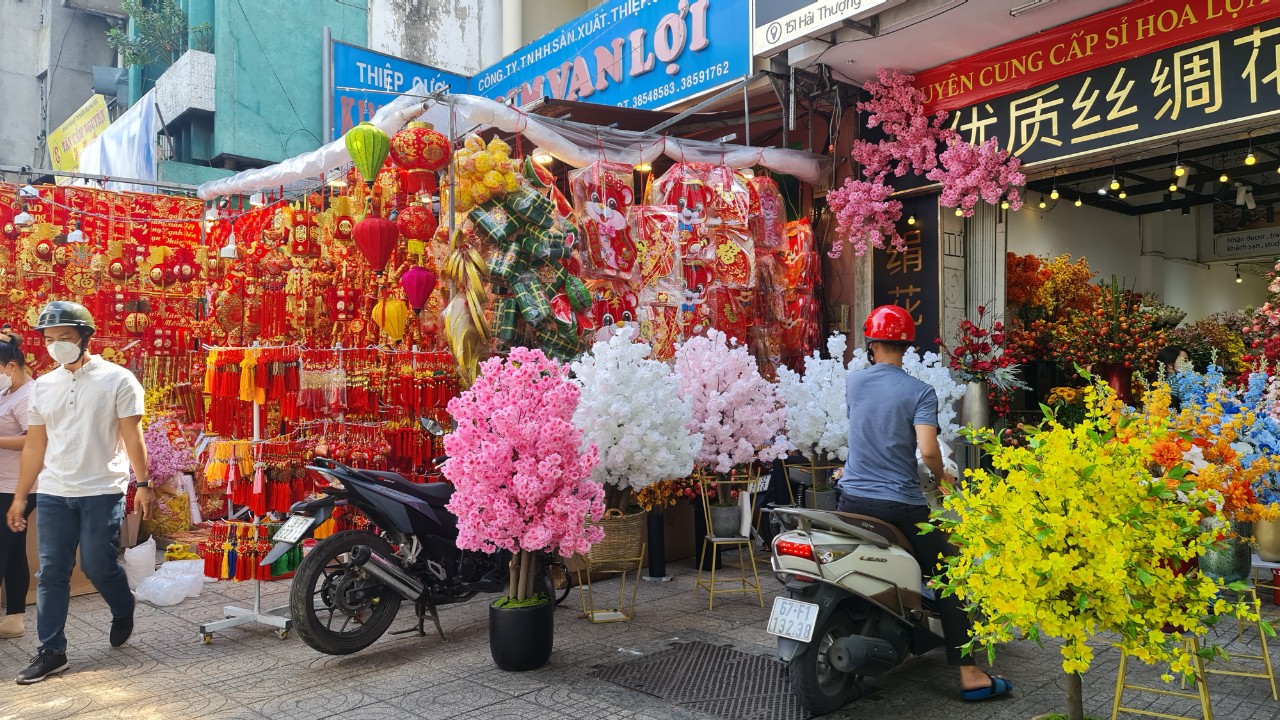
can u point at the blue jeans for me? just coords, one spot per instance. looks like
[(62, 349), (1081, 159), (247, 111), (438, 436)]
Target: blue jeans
[(93, 524)]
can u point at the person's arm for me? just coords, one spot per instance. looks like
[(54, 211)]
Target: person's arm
[(15, 442), (926, 425), (136, 448), (28, 471), (930, 452)]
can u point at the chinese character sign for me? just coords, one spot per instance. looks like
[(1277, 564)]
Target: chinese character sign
[(911, 277), (1220, 79)]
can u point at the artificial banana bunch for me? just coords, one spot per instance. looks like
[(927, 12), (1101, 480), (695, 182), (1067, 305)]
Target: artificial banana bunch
[(464, 339), (466, 269)]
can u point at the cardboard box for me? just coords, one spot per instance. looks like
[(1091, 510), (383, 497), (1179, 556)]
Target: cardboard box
[(80, 584)]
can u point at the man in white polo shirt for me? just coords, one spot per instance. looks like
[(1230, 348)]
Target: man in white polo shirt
[(85, 431)]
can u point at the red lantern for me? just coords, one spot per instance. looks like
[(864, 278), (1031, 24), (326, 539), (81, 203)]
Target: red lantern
[(420, 147), (417, 182), (376, 238), (417, 222), (418, 282)]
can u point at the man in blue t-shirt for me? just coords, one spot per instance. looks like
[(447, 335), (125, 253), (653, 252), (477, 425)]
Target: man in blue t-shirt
[(891, 414)]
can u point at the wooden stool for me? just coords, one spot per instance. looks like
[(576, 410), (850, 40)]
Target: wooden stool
[(1202, 694), (1265, 657)]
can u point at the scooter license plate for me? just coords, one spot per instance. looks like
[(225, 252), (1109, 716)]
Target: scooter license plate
[(792, 619), (292, 531)]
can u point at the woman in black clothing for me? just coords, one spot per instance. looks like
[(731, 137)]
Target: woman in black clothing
[(15, 388)]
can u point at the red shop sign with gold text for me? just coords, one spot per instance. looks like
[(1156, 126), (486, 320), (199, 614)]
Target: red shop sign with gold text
[(1129, 31)]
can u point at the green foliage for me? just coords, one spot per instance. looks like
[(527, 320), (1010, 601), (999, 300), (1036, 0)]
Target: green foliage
[(506, 602), (159, 33)]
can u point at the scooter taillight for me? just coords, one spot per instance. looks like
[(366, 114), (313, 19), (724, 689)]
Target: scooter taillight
[(794, 549)]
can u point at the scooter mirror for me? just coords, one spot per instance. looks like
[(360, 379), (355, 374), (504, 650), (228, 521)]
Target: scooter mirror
[(436, 428)]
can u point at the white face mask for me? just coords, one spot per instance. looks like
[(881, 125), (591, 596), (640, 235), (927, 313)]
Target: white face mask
[(5, 383), (64, 352)]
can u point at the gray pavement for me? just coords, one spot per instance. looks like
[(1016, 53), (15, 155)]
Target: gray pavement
[(165, 671)]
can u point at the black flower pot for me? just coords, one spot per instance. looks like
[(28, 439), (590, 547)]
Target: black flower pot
[(521, 638)]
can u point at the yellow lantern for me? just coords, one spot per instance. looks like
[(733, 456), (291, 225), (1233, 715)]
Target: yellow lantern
[(392, 316)]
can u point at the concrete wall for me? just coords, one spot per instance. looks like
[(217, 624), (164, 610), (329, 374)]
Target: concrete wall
[(43, 43), (445, 35), (1140, 251), (268, 77)]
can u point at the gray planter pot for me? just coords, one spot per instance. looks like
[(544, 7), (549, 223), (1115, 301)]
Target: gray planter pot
[(823, 500), (725, 521)]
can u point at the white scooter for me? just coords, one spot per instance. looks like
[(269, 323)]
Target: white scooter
[(854, 606)]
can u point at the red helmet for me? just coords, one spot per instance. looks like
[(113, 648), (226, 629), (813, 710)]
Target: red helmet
[(889, 323)]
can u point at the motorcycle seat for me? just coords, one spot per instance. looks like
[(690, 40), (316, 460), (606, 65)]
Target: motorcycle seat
[(888, 531), (436, 494)]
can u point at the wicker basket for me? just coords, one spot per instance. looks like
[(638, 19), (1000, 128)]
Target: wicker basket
[(622, 543)]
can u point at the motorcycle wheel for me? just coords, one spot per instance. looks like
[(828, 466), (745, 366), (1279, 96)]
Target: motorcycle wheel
[(819, 687), (336, 609)]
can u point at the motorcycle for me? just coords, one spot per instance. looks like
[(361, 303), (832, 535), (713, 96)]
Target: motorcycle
[(854, 605), (356, 580)]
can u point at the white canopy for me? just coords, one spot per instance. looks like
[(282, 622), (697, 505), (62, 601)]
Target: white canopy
[(573, 143)]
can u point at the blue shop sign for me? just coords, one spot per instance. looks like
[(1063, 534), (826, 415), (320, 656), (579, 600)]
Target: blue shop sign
[(629, 53), (364, 81)]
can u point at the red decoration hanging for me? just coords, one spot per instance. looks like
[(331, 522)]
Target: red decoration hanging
[(417, 222), (420, 147), (376, 238)]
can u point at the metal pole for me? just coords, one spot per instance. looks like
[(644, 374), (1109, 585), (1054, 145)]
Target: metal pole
[(746, 114), (326, 83), (23, 170), (714, 98), (453, 186)]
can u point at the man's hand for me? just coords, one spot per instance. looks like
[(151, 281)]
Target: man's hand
[(947, 482), (17, 517), (145, 502)]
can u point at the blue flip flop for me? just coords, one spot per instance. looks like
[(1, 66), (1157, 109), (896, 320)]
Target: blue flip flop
[(999, 687)]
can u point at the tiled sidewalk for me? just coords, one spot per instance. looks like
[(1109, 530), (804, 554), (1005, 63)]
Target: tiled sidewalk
[(165, 672)]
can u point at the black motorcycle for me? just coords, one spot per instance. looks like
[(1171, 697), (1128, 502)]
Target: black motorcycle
[(348, 588)]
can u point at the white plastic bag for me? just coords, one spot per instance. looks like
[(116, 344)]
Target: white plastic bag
[(163, 590), (189, 572), (140, 562)]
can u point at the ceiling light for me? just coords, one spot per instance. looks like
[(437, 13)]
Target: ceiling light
[(1173, 187), (959, 212), (1004, 204), (1043, 204), (1115, 183), (644, 167), (1238, 278), (1179, 171), (1223, 178), (1122, 194), (1250, 159), (1102, 190), (338, 182), (1053, 195), (1027, 7), (911, 220), (542, 157), (745, 172), (1079, 202)]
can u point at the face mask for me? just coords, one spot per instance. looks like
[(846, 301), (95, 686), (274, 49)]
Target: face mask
[(5, 383), (64, 352)]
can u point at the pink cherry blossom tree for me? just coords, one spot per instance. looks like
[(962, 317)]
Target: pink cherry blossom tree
[(866, 216), (517, 462), (738, 413)]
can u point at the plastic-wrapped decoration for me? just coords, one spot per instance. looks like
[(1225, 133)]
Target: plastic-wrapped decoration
[(730, 199), (602, 195), (733, 262), (685, 187), (769, 225), (654, 228)]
